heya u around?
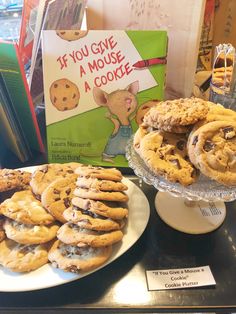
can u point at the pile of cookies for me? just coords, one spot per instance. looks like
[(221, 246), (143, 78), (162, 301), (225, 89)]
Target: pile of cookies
[(181, 138), (221, 77), (50, 220), (93, 221)]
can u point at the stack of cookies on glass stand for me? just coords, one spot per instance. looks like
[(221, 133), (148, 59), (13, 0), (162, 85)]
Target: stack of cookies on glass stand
[(44, 220), (181, 138)]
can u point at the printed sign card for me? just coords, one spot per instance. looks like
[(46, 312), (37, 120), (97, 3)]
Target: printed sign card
[(95, 86)]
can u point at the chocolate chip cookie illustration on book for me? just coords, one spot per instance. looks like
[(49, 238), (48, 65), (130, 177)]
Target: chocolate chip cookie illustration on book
[(71, 35), (64, 94)]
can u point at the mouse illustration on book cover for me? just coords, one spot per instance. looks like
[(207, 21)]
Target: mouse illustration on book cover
[(121, 105)]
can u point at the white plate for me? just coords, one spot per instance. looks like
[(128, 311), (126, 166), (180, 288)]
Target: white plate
[(47, 276)]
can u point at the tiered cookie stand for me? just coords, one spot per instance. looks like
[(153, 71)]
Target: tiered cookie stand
[(195, 209)]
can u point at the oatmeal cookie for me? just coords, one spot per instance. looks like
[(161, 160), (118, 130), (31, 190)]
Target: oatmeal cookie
[(176, 115)]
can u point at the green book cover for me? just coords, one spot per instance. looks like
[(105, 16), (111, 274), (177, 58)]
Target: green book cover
[(95, 86), (19, 105)]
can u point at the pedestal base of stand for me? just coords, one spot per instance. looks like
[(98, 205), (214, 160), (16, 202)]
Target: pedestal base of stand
[(189, 216)]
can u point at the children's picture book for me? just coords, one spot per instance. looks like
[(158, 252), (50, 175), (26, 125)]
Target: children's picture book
[(96, 86), (57, 14), (19, 128)]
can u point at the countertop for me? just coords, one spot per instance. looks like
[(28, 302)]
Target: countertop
[(121, 286)]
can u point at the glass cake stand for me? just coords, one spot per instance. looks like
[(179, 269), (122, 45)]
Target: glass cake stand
[(195, 209)]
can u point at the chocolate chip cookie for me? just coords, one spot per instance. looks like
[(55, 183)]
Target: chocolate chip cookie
[(143, 109), (77, 259), (212, 149), (166, 155), (46, 174), (25, 208), (95, 184), (14, 179), (73, 234), (57, 196), (89, 171), (29, 234), (113, 210), (90, 221), (22, 258)]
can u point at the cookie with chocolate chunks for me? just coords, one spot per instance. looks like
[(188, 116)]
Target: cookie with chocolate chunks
[(13, 179), (89, 220), (22, 258), (46, 174), (30, 234), (89, 171), (165, 154), (113, 210), (100, 185), (73, 234), (2, 232), (77, 259), (25, 208), (58, 195), (212, 148)]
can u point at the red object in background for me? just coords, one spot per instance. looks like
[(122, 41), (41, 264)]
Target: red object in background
[(26, 40), (146, 63)]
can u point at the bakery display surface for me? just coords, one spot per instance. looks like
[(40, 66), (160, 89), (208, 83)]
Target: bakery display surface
[(121, 286), (47, 276)]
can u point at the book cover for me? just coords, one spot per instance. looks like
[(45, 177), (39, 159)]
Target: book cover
[(16, 97), (10, 130), (95, 86)]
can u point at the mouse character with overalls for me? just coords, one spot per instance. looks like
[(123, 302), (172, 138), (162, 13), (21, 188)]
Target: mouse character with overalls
[(121, 104)]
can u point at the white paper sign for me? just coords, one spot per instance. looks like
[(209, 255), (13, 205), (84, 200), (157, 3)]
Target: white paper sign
[(179, 278)]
